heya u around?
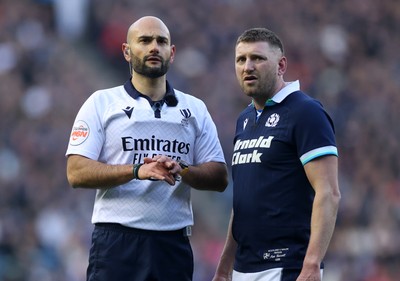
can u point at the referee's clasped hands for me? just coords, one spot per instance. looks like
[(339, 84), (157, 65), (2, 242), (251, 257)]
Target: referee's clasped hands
[(160, 168)]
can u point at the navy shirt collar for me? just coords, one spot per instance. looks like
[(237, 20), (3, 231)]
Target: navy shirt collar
[(169, 98)]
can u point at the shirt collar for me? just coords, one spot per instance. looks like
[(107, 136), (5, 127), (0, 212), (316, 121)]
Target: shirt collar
[(283, 93), (169, 95)]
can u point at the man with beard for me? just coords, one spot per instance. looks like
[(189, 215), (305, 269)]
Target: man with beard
[(284, 170), (133, 143)]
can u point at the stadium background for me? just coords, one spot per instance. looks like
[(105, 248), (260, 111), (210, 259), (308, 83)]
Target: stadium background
[(54, 54)]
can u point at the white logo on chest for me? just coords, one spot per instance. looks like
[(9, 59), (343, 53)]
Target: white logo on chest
[(272, 120)]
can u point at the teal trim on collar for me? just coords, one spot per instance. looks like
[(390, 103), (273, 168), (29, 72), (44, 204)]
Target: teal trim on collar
[(270, 102), (289, 88)]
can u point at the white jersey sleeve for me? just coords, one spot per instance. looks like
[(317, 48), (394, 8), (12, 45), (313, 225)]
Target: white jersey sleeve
[(87, 136)]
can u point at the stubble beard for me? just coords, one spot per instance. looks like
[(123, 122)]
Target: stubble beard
[(140, 67), (261, 91)]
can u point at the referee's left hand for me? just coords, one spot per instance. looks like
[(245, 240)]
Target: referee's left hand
[(171, 165)]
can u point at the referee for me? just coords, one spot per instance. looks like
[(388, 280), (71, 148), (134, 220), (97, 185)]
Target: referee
[(142, 146)]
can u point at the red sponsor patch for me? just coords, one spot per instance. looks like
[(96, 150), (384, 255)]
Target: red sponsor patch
[(80, 132)]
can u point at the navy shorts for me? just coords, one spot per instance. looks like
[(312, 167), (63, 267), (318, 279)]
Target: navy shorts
[(128, 254)]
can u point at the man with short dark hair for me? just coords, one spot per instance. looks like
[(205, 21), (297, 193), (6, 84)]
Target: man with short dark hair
[(285, 173)]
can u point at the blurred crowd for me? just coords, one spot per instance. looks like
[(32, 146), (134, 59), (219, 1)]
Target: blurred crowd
[(55, 53)]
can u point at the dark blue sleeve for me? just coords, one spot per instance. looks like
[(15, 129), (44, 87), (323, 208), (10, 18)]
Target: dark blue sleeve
[(313, 132)]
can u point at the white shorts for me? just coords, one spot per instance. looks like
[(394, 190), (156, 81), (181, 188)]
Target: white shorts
[(275, 274)]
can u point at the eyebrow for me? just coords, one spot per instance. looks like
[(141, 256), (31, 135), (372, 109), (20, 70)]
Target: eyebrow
[(252, 56), (157, 37)]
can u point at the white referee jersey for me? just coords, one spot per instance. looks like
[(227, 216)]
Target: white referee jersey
[(114, 128)]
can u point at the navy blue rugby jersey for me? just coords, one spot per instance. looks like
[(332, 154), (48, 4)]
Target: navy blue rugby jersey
[(272, 198)]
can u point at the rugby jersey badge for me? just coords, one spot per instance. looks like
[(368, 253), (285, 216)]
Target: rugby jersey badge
[(272, 120), (128, 111), (245, 123), (80, 132), (186, 115)]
